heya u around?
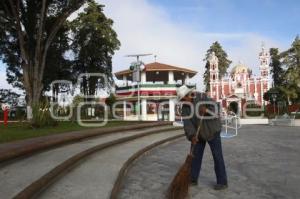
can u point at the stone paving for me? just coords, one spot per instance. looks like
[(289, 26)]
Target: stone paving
[(262, 162)]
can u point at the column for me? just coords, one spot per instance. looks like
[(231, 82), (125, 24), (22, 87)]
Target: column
[(248, 85), (229, 85), (125, 80), (144, 109), (261, 92), (244, 83), (223, 89), (217, 90), (143, 77), (171, 110), (124, 110), (255, 89), (187, 78), (210, 87), (239, 107), (171, 77)]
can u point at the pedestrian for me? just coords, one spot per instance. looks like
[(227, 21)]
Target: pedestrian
[(202, 124)]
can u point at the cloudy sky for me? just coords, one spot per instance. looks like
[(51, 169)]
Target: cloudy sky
[(180, 31)]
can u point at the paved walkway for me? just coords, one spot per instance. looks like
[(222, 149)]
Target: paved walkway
[(19, 174), (262, 162), (94, 178)]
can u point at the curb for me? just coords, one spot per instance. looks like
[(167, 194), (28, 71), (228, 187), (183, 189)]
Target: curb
[(37, 186), (16, 149)]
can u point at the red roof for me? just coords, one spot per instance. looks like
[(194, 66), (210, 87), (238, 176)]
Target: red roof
[(156, 66)]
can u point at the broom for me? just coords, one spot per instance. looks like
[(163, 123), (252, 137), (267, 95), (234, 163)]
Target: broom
[(179, 186)]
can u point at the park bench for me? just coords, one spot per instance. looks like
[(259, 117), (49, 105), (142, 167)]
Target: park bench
[(295, 113), (283, 120)]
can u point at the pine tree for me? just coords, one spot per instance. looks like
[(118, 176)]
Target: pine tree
[(93, 45), (224, 62), (276, 68)]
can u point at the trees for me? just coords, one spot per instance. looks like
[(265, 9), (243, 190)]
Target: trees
[(35, 37), (94, 43), (292, 55), (285, 67), (280, 96), (224, 62), (276, 68), (9, 97), (28, 28), (291, 60), (58, 65)]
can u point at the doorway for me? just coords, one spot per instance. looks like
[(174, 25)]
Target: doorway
[(234, 107)]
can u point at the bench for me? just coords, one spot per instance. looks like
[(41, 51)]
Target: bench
[(283, 120)]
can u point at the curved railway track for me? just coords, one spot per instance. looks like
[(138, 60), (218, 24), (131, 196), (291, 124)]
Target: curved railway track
[(38, 176)]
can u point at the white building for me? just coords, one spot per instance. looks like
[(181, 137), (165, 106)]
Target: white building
[(157, 91)]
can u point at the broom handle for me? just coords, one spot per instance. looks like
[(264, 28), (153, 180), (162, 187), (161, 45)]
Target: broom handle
[(197, 136)]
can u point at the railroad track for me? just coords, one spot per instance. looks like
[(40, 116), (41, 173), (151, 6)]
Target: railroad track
[(91, 166)]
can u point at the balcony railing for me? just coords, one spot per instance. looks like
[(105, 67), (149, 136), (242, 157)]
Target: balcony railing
[(147, 85)]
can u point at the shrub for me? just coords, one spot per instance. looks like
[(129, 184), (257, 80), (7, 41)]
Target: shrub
[(41, 116), (20, 114), (253, 113)]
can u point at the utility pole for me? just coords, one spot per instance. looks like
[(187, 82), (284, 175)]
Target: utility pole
[(137, 75)]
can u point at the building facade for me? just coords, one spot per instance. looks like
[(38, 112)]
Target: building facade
[(240, 86), (155, 97)]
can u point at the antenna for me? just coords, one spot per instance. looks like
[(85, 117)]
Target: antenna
[(139, 55)]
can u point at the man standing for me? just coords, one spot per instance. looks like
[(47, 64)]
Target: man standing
[(202, 124)]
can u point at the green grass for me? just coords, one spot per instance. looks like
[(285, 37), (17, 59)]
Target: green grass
[(20, 131)]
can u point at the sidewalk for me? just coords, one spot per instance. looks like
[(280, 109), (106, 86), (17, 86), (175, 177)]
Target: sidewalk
[(262, 162)]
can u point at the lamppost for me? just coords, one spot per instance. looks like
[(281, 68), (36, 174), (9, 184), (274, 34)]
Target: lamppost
[(274, 96), (137, 67)]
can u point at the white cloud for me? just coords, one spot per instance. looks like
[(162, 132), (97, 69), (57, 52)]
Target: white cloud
[(144, 28)]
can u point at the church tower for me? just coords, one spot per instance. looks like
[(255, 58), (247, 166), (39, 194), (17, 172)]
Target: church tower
[(214, 76), (264, 63), (264, 82)]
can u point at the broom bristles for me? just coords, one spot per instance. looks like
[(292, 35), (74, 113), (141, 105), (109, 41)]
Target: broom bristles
[(179, 187)]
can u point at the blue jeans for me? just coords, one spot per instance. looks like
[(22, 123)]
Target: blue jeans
[(216, 149)]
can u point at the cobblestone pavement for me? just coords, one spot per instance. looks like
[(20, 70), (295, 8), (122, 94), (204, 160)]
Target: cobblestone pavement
[(262, 162)]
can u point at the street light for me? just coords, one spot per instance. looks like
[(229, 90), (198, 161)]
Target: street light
[(274, 96), (137, 67)]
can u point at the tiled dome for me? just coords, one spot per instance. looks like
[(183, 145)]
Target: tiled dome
[(240, 68)]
